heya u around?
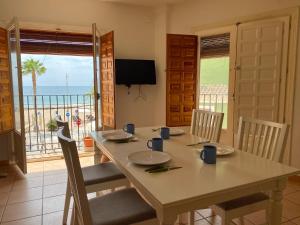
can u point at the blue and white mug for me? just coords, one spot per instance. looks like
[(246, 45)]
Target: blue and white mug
[(129, 128), (209, 154), (156, 144), (165, 132)]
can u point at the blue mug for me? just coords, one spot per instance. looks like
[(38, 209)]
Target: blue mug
[(165, 132), (129, 128), (209, 154), (156, 144)]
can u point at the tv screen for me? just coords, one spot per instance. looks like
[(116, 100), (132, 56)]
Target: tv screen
[(132, 71)]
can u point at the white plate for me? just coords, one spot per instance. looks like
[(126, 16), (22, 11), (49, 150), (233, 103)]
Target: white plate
[(221, 150), (117, 136), (176, 131), (149, 158)]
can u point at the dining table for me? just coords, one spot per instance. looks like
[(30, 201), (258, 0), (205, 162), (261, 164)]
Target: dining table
[(195, 185)]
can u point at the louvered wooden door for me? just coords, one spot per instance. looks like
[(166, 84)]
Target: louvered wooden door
[(260, 72), (6, 116), (107, 80), (181, 78)]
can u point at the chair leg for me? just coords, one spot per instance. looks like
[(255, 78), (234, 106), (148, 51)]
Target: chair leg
[(73, 216), (67, 203)]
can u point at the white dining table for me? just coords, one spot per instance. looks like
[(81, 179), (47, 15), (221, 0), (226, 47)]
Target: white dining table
[(196, 185)]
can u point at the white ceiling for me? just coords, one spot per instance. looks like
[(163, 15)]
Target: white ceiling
[(151, 3)]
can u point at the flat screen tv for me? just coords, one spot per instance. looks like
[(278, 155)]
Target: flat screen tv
[(133, 71)]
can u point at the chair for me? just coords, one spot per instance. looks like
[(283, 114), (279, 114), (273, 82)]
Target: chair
[(117, 208), (264, 139), (96, 178), (206, 124)]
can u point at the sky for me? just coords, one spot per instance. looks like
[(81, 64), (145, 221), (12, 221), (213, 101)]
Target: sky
[(78, 68)]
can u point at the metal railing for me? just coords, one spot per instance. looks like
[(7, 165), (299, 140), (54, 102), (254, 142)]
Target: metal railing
[(41, 136), (215, 103)]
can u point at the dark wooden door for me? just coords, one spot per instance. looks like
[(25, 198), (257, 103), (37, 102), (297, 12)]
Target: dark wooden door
[(181, 78), (107, 69)]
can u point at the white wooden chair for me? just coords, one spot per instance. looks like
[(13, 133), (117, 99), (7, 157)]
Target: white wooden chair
[(206, 124), (119, 208), (264, 139), (96, 178)]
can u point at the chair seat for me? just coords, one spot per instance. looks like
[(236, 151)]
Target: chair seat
[(243, 201), (120, 208), (101, 173)]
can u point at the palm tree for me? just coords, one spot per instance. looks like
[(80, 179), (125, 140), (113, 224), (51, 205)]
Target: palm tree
[(33, 67)]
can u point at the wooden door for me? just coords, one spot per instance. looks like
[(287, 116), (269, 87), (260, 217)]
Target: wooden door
[(6, 118), (181, 78), (107, 80), (19, 149), (260, 70)]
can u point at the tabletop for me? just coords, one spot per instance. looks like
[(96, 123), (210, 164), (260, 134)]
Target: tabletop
[(195, 179)]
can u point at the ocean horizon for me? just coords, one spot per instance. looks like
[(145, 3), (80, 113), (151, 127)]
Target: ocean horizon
[(58, 95)]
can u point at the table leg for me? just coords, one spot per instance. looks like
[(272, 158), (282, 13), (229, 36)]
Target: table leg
[(97, 155), (276, 203)]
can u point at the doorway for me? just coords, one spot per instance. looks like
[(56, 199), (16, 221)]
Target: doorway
[(216, 77)]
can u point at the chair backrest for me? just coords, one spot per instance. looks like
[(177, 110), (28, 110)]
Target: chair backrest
[(206, 124), (75, 177), (262, 138), (65, 124)]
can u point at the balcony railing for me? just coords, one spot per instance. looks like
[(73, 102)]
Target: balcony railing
[(78, 110), (215, 103), (41, 136)]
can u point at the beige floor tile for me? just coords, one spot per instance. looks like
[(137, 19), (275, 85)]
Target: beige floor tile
[(202, 222), (37, 220), (197, 216), (25, 195), (53, 204), (5, 186), (206, 212), (55, 179), (22, 210), (35, 167), (296, 221), (257, 217), (28, 183), (54, 190), (289, 189), (55, 172), (290, 210), (215, 220), (294, 197), (245, 222), (3, 199), (288, 223), (55, 218), (1, 212)]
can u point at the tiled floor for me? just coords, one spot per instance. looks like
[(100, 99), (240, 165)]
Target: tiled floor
[(38, 197)]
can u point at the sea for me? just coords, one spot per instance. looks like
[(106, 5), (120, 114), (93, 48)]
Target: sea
[(58, 95)]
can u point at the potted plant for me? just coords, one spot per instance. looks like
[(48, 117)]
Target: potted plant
[(51, 125), (87, 140)]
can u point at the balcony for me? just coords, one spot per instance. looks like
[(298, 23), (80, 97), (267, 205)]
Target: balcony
[(41, 139)]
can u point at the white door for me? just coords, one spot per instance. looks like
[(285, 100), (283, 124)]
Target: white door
[(261, 69)]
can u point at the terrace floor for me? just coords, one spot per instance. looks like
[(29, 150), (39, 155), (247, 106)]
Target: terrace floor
[(38, 197)]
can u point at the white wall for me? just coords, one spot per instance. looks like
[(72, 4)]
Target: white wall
[(183, 18), (134, 38)]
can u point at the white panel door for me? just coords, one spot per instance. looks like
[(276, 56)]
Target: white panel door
[(259, 69)]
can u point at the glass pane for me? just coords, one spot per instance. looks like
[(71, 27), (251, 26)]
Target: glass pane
[(15, 80), (214, 79)]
